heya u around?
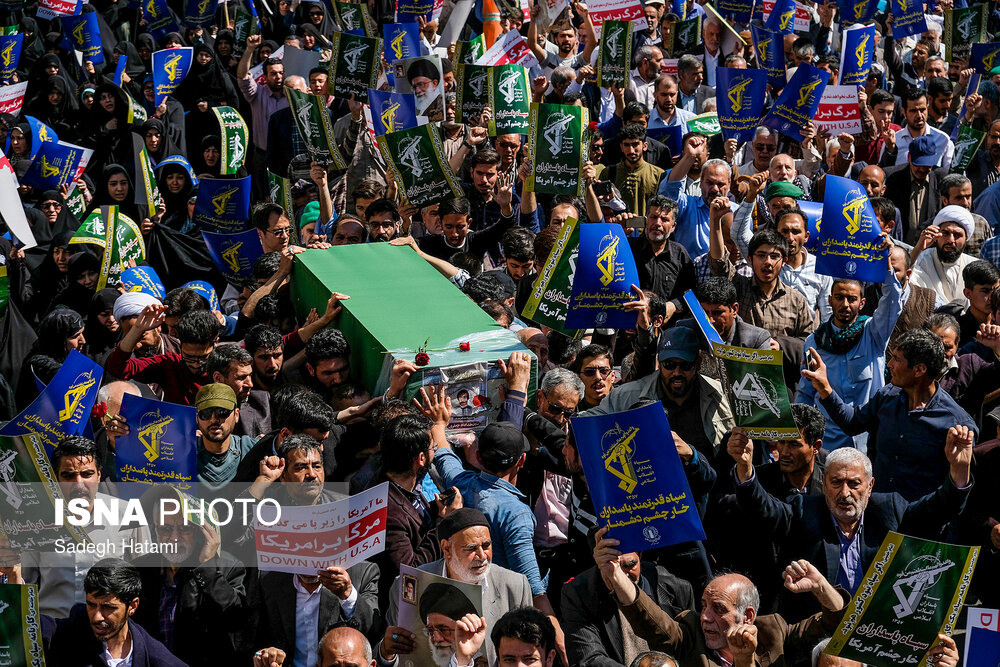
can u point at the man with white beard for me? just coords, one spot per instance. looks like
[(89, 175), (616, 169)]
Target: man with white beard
[(468, 557)]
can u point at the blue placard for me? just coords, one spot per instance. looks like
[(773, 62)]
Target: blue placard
[(234, 254), (741, 96), (701, 319), (679, 7), (160, 447), (223, 204), (159, 18), (53, 166), (408, 11), (796, 105), (814, 218), (602, 284), (849, 236), (402, 40), (974, 81), (205, 290), (740, 11), (10, 55), (63, 408), (201, 12), (769, 47), (859, 11), (908, 18), (391, 111), (671, 136), (858, 56), (984, 57), (143, 279), (120, 68), (170, 66), (636, 479), (782, 18), (40, 133), (85, 33)]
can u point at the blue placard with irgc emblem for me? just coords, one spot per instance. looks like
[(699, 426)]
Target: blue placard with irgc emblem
[(63, 408), (814, 216), (795, 107), (636, 478), (782, 18), (602, 284), (170, 66), (10, 55), (769, 48), (143, 279), (858, 11), (849, 237), (234, 254), (85, 33), (741, 97), (985, 57), (204, 289), (223, 204), (161, 446), (392, 111), (53, 166), (402, 40), (909, 18), (857, 55)]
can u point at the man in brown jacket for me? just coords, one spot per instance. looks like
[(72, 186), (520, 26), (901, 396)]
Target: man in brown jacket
[(728, 630)]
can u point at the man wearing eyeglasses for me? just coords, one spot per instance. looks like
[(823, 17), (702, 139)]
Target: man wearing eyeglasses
[(219, 451), (593, 365), (273, 226)]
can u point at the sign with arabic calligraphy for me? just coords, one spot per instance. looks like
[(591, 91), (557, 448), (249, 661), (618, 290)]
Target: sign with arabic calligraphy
[(234, 254), (417, 161), (510, 49), (54, 165), (636, 478), (467, 53), (556, 148), (798, 102), (685, 36), (769, 50), (849, 238), (472, 83), (737, 10), (548, 303), (160, 446), (982, 643), (755, 384), (857, 11), (614, 60), (85, 33), (402, 40), (63, 408), (170, 66), (913, 590), (856, 55), (200, 12), (782, 22), (985, 57), (354, 66), (61, 7), (838, 111), (602, 284), (222, 204), (392, 111), (963, 28), (12, 97), (315, 127), (741, 96), (10, 55), (510, 100), (313, 537), (617, 10), (20, 627), (235, 140), (143, 279), (909, 18), (421, 594), (706, 123), (966, 144)]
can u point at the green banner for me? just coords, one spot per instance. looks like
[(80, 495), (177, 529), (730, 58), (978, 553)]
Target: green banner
[(244, 25), (467, 53), (967, 143), (548, 303), (136, 114), (962, 29), (147, 191), (20, 629), (354, 66), (280, 190), (686, 36), (235, 139), (418, 163), (76, 202), (614, 61), (472, 83), (912, 590), (557, 148), (755, 385), (706, 123), (353, 17), (509, 99), (118, 235), (313, 120)]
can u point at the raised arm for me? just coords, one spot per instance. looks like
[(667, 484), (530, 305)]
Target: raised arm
[(243, 68)]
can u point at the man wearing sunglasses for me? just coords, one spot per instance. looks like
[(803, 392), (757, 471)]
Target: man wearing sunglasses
[(273, 227), (594, 367), (219, 451)]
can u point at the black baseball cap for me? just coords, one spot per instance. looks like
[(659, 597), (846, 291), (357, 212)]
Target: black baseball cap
[(501, 445)]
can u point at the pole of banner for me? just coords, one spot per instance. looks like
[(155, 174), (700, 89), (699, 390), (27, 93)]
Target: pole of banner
[(491, 22)]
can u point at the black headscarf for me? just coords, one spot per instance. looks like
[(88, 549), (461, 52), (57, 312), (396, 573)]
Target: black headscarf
[(65, 220), (103, 198), (134, 66), (309, 29), (145, 40), (167, 146), (176, 204), (199, 160), (62, 117), (48, 279), (56, 328), (100, 339), (207, 82), (32, 49), (172, 37), (325, 27)]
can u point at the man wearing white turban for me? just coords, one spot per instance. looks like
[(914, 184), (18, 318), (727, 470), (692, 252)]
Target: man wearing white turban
[(127, 309), (941, 257)]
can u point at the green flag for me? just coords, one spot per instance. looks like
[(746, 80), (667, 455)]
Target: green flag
[(913, 590), (962, 29), (967, 143), (136, 114), (706, 123), (549, 299), (614, 61), (353, 17), (467, 53), (686, 35), (354, 66), (472, 84), (147, 191), (417, 160), (235, 139), (280, 190), (118, 235), (76, 202), (755, 384), (244, 25), (509, 99), (20, 630), (557, 148), (313, 121)]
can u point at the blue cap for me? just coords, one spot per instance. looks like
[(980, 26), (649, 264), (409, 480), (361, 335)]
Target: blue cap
[(924, 151), (678, 343)]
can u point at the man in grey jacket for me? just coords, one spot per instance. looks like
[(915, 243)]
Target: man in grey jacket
[(468, 556)]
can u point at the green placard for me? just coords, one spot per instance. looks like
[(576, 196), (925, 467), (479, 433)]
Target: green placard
[(235, 139), (548, 303), (20, 630), (967, 143), (509, 99), (280, 190), (557, 148), (962, 29), (76, 202), (313, 121), (472, 83), (147, 191), (912, 590), (614, 61), (244, 25), (686, 36), (467, 53), (417, 161), (354, 66), (118, 235), (755, 385), (706, 123), (353, 16)]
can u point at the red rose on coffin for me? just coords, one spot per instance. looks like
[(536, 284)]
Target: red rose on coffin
[(422, 359), (464, 347), (592, 125), (100, 411)]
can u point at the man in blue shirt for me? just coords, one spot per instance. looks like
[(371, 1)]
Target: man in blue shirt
[(910, 418), (692, 216)]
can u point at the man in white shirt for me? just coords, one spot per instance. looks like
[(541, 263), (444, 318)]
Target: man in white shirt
[(941, 261), (915, 111), (711, 32), (649, 59)]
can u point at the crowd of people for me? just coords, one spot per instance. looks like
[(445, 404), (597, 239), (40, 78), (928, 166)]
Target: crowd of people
[(894, 383)]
